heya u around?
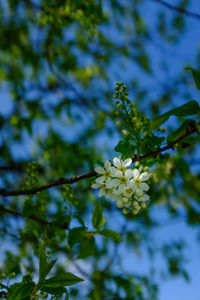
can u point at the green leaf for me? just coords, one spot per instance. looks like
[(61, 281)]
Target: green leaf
[(151, 142), (54, 290), (125, 148), (44, 266), (67, 295), (19, 291), (180, 131), (196, 76), (60, 280), (75, 236), (87, 247), (111, 234), (98, 219), (190, 108)]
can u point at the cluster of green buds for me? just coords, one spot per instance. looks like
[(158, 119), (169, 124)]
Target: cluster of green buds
[(68, 194), (32, 175), (127, 112)]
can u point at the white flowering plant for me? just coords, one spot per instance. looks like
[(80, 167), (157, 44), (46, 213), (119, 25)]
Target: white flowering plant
[(120, 180), (125, 185)]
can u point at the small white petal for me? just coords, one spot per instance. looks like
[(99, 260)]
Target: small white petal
[(144, 176), (145, 197), (129, 173), (135, 204), (138, 193), (135, 173), (99, 170), (116, 162), (127, 162), (115, 182), (109, 183), (140, 168), (144, 186), (128, 205), (102, 192), (95, 186), (118, 174), (107, 165), (100, 180), (109, 194), (120, 204)]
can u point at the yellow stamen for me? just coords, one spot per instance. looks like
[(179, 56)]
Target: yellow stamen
[(129, 191), (107, 174), (121, 168), (137, 181), (123, 180)]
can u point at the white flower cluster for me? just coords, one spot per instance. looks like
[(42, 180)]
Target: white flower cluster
[(125, 185)]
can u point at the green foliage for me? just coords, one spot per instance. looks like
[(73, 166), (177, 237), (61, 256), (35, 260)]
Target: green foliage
[(187, 109), (98, 219), (59, 60), (59, 280), (196, 76), (111, 234)]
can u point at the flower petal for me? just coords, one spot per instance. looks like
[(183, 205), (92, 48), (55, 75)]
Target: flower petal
[(99, 170), (127, 162), (145, 197), (113, 171), (100, 180), (144, 186), (116, 162), (95, 186), (109, 183), (144, 176), (120, 204), (115, 182), (138, 192), (135, 173), (118, 174), (102, 192), (107, 165), (129, 173)]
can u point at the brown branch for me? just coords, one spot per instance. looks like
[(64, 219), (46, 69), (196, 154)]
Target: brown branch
[(58, 182), (191, 129), (178, 9), (32, 217)]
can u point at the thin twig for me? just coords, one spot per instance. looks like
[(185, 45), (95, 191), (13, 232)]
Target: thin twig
[(178, 9), (74, 179), (32, 217), (58, 182)]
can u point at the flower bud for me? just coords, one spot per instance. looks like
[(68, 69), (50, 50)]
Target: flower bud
[(118, 123), (125, 211), (119, 83), (163, 129), (125, 132), (3, 275)]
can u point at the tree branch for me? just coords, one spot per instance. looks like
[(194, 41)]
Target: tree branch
[(61, 181), (58, 182), (178, 9), (32, 217)]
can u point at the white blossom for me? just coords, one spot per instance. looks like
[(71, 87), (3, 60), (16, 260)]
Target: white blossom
[(139, 178), (124, 185)]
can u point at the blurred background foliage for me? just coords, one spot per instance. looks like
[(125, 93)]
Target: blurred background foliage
[(59, 61)]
